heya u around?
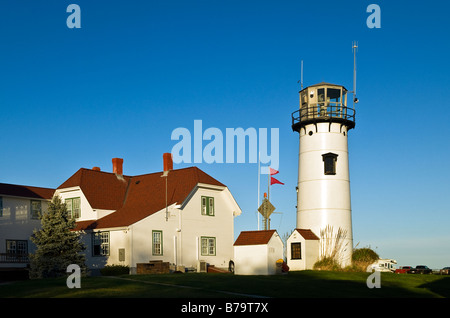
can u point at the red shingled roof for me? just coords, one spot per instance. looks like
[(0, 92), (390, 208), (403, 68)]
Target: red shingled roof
[(254, 237), (26, 191), (103, 190), (307, 234), (134, 198)]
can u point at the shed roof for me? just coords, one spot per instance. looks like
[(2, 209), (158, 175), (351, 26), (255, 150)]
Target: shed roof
[(254, 237), (307, 234)]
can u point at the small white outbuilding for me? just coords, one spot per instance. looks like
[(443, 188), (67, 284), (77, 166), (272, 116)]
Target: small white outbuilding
[(256, 252), (302, 249)]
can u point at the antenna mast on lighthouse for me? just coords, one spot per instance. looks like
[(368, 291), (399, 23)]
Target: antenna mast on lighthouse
[(301, 76), (354, 49)]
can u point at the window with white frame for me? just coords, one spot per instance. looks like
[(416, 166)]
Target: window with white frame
[(35, 209), (100, 243), (17, 247), (73, 207), (208, 246), (157, 248)]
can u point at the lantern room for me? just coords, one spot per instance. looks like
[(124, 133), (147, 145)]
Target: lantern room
[(323, 102)]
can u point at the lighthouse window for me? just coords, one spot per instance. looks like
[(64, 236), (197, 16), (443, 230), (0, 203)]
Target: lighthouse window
[(334, 95), (322, 107), (321, 94), (329, 160)]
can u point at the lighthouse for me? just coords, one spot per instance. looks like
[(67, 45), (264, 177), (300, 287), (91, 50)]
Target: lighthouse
[(323, 122)]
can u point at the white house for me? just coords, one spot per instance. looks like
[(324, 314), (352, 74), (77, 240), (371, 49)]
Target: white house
[(256, 252), (184, 217), (181, 216), (19, 209), (302, 249)]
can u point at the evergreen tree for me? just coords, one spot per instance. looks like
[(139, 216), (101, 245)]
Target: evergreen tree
[(57, 245)]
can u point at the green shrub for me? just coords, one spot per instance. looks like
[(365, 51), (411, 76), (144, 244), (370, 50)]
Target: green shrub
[(365, 254), (115, 270), (363, 257)]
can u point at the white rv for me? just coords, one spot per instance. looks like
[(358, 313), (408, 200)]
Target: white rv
[(382, 265)]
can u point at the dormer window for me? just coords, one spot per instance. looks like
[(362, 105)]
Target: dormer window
[(329, 163), (73, 207)]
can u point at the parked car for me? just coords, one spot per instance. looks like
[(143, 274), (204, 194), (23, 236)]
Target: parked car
[(420, 269), (403, 269), (445, 271)]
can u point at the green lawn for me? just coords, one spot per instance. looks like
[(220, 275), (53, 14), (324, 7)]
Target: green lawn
[(305, 284)]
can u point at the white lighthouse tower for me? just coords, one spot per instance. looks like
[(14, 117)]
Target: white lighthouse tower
[(323, 191)]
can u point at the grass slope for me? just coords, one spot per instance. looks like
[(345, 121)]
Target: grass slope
[(304, 284)]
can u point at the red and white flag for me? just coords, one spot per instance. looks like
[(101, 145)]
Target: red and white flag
[(272, 171)]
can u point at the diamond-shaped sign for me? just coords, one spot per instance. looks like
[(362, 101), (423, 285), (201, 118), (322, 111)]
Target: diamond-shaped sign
[(266, 208)]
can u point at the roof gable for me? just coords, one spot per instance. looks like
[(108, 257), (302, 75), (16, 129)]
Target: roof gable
[(254, 237)]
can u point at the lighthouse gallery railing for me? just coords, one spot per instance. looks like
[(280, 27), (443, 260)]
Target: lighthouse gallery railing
[(323, 113)]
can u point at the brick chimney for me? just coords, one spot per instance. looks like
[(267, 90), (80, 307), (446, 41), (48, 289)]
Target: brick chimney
[(167, 161), (117, 165)]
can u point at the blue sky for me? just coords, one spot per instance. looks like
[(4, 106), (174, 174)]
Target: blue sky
[(137, 70)]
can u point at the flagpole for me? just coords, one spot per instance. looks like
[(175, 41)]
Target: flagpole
[(268, 198), (259, 172)]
